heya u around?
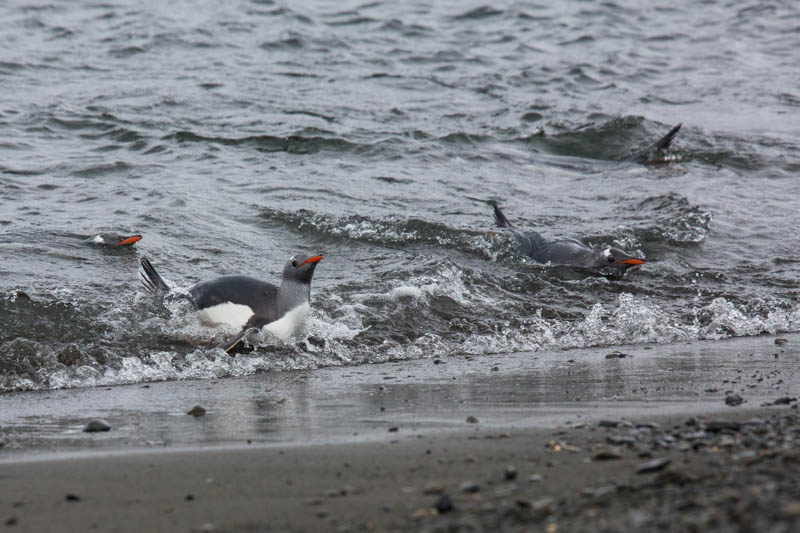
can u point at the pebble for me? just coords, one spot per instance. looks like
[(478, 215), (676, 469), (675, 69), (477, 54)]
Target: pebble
[(747, 456), (487, 508), (695, 435), (715, 426), (472, 420), (196, 411), (12, 521), (444, 504), (652, 466), (791, 509), (608, 423), (469, 487), (733, 400), (607, 454), (781, 342), (785, 400), (616, 355), (543, 507), (598, 492), (189, 497), (433, 487), (72, 497), (621, 439), (535, 478), (97, 425), (394, 429), (510, 473), (421, 513)]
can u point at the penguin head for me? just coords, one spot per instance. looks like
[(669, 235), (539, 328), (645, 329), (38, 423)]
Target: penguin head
[(113, 239), (300, 268), (616, 258)]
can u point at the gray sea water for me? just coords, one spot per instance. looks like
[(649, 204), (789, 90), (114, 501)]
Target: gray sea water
[(234, 134)]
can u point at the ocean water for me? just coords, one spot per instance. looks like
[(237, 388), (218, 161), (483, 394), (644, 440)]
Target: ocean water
[(232, 135)]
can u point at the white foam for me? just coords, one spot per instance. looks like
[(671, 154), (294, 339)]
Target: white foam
[(405, 291)]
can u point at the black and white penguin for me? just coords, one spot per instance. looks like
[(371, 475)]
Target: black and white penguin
[(565, 251), (248, 303)]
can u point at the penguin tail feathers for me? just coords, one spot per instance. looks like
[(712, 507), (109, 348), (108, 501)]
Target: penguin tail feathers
[(499, 218), (151, 279)]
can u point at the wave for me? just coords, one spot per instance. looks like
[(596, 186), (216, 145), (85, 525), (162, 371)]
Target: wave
[(439, 310), (295, 144)]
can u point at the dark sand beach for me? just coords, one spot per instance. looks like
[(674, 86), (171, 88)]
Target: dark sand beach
[(542, 442)]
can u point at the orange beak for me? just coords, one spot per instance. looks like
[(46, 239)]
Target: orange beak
[(129, 240), (315, 259), (632, 262)]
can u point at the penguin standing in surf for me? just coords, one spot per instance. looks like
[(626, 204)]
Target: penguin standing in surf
[(564, 251), (249, 303)]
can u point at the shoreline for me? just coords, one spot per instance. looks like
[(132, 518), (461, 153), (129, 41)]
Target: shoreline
[(555, 447), (359, 403)]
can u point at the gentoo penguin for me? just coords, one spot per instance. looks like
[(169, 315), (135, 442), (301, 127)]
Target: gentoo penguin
[(657, 153), (113, 239), (248, 303), (564, 251)]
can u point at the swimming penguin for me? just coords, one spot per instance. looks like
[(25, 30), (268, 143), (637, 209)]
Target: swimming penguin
[(113, 239), (657, 152), (564, 251), (248, 303)]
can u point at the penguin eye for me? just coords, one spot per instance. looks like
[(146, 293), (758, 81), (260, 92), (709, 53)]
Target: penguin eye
[(610, 258), (294, 262)]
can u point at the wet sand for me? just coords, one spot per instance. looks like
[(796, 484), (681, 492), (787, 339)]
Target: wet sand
[(553, 445)]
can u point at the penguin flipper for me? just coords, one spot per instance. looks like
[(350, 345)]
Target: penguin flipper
[(647, 155), (232, 345), (253, 325), (499, 218), (150, 278), (664, 142)]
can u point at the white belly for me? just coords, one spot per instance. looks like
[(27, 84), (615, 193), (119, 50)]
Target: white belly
[(234, 315), (291, 324)]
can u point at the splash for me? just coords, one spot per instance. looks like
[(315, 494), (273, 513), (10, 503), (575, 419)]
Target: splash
[(435, 315)]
